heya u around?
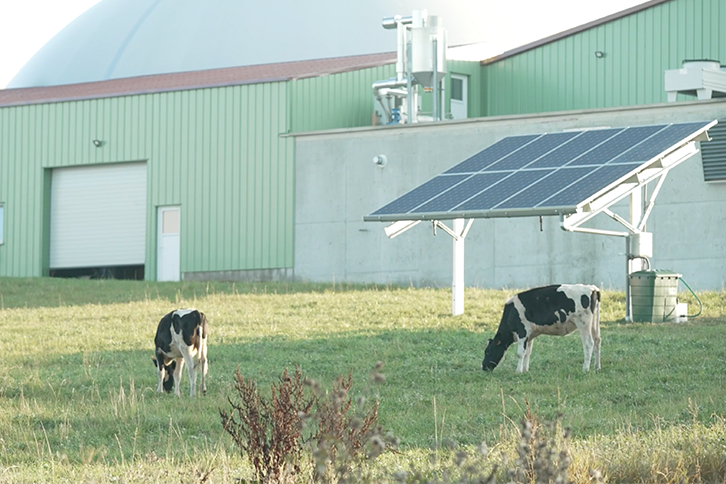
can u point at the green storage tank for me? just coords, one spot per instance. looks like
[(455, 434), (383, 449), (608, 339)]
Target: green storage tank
[(654, 296)]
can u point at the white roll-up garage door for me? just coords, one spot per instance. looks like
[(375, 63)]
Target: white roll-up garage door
[(98, 216)]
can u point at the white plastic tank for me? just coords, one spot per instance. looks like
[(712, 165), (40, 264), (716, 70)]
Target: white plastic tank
[(428, 51)]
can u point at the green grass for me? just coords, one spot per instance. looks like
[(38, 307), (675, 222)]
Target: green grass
[(77, 400)]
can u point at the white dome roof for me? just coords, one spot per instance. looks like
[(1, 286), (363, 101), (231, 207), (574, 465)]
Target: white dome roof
[(126, 38)]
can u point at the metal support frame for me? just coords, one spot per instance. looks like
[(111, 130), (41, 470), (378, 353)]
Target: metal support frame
[(633, 187)]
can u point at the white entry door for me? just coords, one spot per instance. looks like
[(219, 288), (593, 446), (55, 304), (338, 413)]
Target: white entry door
[(459, 96), (168, 254)]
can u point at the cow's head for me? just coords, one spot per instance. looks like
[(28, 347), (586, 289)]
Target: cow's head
[(494, 354), (168, 374)]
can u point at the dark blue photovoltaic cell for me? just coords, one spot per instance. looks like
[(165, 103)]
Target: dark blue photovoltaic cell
[(590, 185), (532, 151), (491, 154), (536, 195), (461, 192), (659, 142), (576, 147), (488, 199), (420, 194), (616, 145)]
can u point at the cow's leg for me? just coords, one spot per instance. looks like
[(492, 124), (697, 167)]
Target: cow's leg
[(160, 370), (177, 375), (527, 353), (587, 346), (202, 363), (521, 353), (189, 360), (596, 339)]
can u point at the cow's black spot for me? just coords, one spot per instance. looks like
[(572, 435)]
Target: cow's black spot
[(542, 304), (585, 301)]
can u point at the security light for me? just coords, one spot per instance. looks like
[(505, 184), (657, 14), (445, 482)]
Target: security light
[(97, 143)]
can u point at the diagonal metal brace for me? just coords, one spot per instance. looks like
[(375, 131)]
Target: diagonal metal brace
[(445, 228)]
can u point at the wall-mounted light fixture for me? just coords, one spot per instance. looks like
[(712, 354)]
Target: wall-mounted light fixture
[(380, 160), (97, 143), (599, 54)]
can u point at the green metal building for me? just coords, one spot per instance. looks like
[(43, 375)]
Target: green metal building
[(203, 156), (217, 153), (616, 61)]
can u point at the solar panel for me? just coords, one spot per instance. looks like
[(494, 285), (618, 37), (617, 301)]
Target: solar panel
[(540, 174), (491, 155)]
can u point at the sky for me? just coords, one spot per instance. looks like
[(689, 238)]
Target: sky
[(26, 25)]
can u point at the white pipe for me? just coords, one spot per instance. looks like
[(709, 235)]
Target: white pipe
[(628, 299), (392, 83), (389, 92), (435, 92), (401, 52), (410, 115), (592, 231)]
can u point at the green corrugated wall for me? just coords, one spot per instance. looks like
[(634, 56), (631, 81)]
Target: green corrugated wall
[(216, 152), (639, 48), (337, 101)]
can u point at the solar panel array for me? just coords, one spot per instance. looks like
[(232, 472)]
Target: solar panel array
[(543, 173)]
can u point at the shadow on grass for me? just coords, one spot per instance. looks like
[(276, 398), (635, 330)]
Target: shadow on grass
[(55, 292)]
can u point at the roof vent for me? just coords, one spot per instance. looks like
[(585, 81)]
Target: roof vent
[(702, 78)]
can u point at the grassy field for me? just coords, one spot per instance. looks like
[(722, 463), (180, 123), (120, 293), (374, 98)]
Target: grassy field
[(77, 400)]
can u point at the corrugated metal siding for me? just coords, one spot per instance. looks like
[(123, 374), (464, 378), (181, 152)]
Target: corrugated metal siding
[(713, 153), (336, 101), (638, 49), (216, 152)]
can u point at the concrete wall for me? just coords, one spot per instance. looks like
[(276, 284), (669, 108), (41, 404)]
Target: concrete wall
[(337, 184)]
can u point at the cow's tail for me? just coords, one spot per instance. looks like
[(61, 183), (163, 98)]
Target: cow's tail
[(595, 306)]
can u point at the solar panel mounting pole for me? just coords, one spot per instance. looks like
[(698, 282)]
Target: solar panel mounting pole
[(457, 283), (632, 264)]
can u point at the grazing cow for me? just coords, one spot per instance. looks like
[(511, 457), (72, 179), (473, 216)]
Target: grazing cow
[(168, 377), (556, 310), (181, 338)]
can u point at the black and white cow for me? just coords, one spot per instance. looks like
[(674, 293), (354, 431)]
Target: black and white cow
[(181, 338), (555, 310)]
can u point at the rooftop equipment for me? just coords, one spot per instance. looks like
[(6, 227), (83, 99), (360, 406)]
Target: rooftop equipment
[(702, 78), (421, 59)]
